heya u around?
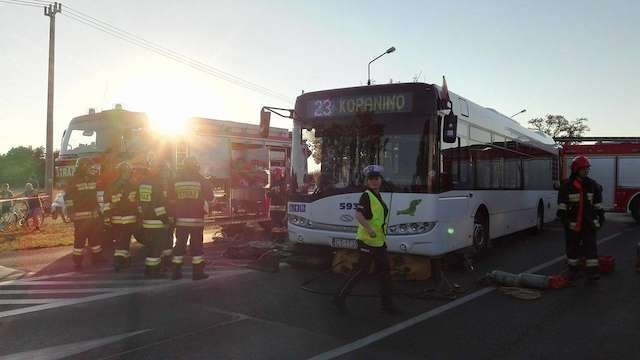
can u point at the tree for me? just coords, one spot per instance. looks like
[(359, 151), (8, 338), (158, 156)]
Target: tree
[(558, 125), (21, 164)]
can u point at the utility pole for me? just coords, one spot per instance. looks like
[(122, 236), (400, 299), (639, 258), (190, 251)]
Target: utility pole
[(51, 10)]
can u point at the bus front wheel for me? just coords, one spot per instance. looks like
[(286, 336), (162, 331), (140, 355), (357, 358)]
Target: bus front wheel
[(481, 239)]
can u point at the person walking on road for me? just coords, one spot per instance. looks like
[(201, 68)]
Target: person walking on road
[(35, 214), (189, 193), (121, 212), (581, 213), (5, 199), (81, 203), (152, 195), (372, 214)]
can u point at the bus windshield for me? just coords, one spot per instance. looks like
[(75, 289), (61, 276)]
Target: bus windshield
[(341, 149)]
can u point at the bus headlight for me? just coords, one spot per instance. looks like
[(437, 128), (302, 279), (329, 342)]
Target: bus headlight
[(299, 221), (411, 228)]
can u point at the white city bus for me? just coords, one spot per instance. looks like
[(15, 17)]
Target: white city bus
[(491, 178)]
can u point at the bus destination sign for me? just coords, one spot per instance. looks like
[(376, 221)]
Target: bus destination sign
[(349, 105)]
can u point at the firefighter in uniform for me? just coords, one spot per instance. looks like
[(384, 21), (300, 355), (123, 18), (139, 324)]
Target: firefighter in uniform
[(152, 195), (107, 177), (190, 192), (167, 178), (580, 210), (82, 205), (371, 214), (121, 213)]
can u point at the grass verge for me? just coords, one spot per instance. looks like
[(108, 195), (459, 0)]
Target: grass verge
[(54, 233)]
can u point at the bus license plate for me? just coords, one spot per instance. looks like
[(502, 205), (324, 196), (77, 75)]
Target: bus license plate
[(344, 243)]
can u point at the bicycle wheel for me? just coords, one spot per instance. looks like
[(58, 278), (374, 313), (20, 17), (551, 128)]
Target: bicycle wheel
[(9, 222)]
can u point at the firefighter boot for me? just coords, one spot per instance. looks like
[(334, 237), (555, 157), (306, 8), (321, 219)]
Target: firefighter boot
[(340, 304), (118, 262), (198, 272), (77, 262), (126, 263), (152, 272), (165, 264), (177, 272), (593, 275), (572, 274), (98, 259)]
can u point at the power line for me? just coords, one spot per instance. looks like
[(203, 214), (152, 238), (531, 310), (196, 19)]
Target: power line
[(173, 55), (20, 3), (136, 40)]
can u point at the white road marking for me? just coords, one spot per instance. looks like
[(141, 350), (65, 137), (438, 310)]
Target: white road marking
[(377, 336), (86, 282), (64, 291), (26, 301), (7, 272), (63, 351), (148, 286)]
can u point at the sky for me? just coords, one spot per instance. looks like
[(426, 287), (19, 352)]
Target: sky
[(573, 58)]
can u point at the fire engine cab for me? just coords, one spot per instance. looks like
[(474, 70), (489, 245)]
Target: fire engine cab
[(615, 164)]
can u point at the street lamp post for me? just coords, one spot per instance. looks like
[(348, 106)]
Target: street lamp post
[(519, 112), (389, 51)]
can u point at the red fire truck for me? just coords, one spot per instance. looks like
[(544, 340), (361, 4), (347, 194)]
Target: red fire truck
[(615, 164), (248, 172)]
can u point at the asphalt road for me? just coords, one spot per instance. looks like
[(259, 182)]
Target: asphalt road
[(239, 313)]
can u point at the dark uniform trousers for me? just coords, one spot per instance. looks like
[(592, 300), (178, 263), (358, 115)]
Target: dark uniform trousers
[(157, 240), (122, 233), (194, 236), (582, 244), (368, 255), (86, 231)]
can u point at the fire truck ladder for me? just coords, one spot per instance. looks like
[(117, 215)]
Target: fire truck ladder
[(614, 139)]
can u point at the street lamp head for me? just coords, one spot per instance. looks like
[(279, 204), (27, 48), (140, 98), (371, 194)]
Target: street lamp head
[(519, 112), (390, 50)]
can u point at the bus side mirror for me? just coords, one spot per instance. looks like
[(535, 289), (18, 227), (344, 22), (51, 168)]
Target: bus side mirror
[(265, 120), (450, 128)]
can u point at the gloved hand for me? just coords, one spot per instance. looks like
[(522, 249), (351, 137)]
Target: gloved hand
[(562, 215), (107, 222)]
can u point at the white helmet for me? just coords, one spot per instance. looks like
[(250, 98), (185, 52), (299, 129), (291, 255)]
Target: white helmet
[(373, 171)]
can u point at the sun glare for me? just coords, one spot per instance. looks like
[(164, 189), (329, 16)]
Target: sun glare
[(170, 122)]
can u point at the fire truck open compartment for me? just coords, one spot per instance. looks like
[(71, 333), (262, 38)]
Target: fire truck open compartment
[(246, 170)]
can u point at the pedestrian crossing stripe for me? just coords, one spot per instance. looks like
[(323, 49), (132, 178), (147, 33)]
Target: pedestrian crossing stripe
[(73, 284)]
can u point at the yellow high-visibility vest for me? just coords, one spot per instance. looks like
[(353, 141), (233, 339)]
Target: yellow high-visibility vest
[(377, 223)]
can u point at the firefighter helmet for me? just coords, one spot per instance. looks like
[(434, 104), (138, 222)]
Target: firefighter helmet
[(579, 163), (83, 164), (191, 164), (373, 171), (124, 168)]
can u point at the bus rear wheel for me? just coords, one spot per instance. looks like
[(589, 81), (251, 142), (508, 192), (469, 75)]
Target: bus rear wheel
[(481, 239)]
